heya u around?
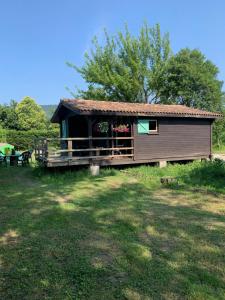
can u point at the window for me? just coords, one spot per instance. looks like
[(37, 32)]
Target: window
[(146, 126), (153, 126)]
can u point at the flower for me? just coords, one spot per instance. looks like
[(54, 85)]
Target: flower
[(122, 128)]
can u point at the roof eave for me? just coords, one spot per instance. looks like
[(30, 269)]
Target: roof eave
[(55, 118), (150, 114)]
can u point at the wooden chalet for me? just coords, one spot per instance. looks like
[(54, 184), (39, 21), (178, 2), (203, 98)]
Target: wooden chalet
[(117, 133)]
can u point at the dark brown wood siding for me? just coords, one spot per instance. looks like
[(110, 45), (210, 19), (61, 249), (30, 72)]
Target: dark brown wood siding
[(177, 137)]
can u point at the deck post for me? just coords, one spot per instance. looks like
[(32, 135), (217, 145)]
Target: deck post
[(132, 135), (94, 169), (45, 148), (162, 163), (70, 147), (112, 141), (90, 143)]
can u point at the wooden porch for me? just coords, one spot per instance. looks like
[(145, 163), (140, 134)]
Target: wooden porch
[(88, 140), (61, 151)]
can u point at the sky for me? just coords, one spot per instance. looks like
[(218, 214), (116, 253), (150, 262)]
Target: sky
[(37, 38)]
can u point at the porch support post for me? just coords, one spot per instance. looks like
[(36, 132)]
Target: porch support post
[(90, 144), (132, 135), (70, 147), (112, 142), (46, 148), (162, 163), (94, 169)]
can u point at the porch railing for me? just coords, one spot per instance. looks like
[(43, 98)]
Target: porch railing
[(43, 150)]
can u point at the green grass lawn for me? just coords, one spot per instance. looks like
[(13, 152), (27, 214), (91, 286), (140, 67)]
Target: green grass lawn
[(121, 235), (219, 149)]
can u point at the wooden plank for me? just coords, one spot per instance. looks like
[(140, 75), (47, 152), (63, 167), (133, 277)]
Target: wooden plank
[(125, 161), (61, 159), (101, 156), (94, 149), (87, 138)]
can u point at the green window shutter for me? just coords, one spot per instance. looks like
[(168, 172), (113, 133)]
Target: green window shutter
[(143, 126), (64, 129)]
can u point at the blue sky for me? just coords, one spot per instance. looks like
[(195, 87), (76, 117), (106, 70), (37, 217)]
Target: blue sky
[(38, 37)]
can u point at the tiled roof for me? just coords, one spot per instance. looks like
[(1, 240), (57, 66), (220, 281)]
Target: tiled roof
[(127, 108)]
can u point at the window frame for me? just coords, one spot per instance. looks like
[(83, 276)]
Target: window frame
[(150, 132), (156, 131)]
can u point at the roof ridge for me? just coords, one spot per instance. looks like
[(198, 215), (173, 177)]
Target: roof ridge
[(121, 102), (135, 108)]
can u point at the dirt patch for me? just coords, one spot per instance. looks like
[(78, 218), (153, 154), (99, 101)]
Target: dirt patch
[(10, 237)]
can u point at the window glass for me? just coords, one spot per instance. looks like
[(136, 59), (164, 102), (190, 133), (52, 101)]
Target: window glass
[(152, 125)]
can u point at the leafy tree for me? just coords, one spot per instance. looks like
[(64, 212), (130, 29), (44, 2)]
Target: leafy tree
[(30, 115), (8, 116), (126, 68), (191, 79), (219, 128), (92, 92), (219, 132), (143, 69)]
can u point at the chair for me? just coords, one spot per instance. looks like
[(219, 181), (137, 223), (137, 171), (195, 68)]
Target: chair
[(13, 160), (3, 158), (24, 157), (30, 153)]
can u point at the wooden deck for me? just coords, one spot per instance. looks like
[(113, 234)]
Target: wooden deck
[(106, 161), (95, 156), (66, 155)]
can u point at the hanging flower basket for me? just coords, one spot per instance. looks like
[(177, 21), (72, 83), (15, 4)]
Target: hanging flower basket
[(122, 128), (101, 127)]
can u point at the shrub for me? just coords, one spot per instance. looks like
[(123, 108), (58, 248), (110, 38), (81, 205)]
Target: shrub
[(25, 139)]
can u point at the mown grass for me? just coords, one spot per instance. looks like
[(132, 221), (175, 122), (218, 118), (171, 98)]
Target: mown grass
[(121, 235), (219, 149)]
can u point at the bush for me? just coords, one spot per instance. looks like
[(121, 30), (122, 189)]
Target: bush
[(25, 139)]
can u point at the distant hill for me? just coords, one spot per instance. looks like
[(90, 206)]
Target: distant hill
[(49, 110)]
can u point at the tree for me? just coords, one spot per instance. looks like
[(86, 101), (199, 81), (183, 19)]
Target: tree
[(219, 132), (191, 79), (8, 116), (219, 128), (126, 68), (30, 115), (93, 92)]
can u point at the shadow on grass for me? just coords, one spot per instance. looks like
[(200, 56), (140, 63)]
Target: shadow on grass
[(117, 240)]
